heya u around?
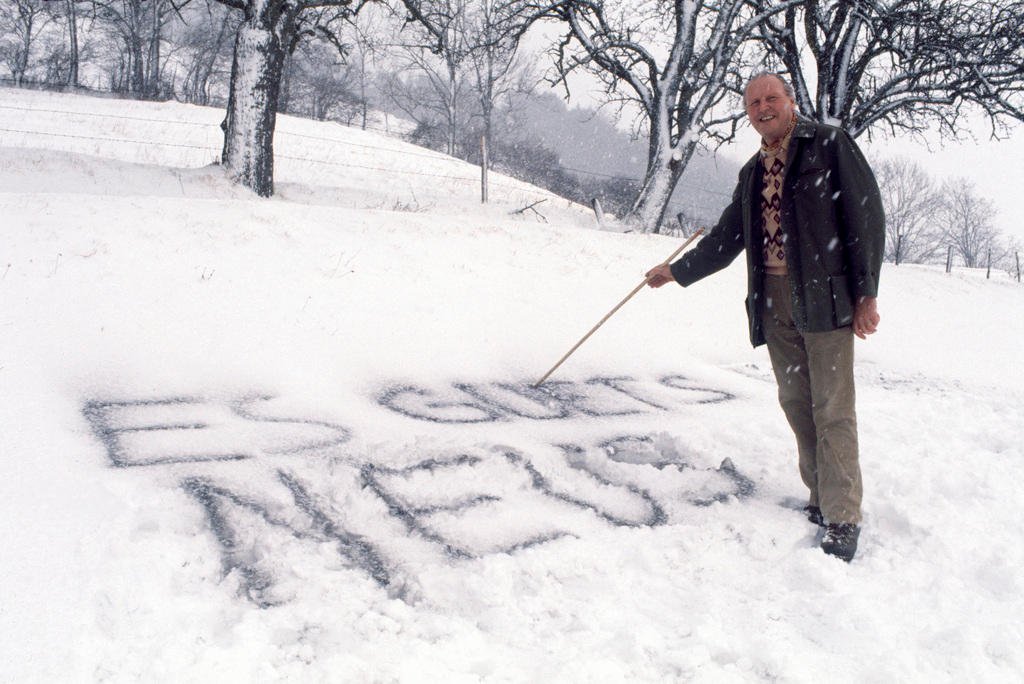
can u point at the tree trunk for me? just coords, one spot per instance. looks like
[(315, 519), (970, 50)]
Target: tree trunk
[(252, 106), (136, 73), (453, 104), (134, 18), (73, 44), (362, 86), (284, 88), (487, 100), (664, 169), (23, 53), (153, 66)]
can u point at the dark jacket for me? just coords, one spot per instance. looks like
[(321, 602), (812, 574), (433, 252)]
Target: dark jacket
[(832, 222)]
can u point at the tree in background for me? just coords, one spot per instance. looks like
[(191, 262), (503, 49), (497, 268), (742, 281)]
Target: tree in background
[(366, 37), (205, 52), (460, 62), (497, 70), (674, 61), (967, 223), (912, 206), (903, 65), (317, 81), (74, 51), (269, 30), (432, 80), (21, 22), (61, 52), (434, 105), (136, 31)]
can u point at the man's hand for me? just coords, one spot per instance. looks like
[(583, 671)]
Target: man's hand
[(865, 317), (659, 275)]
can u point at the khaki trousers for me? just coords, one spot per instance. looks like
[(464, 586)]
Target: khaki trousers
[(815, 376)]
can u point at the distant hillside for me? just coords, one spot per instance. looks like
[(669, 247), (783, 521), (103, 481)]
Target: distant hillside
[(590, 143)]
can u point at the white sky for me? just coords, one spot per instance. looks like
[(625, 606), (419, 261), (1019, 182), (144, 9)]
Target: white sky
[(995, 167)]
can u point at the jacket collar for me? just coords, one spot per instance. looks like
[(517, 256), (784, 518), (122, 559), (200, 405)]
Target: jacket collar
[(804, 128)]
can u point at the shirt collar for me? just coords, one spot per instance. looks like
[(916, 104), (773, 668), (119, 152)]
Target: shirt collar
[(778, 148)]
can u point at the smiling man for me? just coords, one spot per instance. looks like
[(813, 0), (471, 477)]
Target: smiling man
[(808, 213)]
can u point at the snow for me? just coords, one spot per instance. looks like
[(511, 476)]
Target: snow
[(295, 439)]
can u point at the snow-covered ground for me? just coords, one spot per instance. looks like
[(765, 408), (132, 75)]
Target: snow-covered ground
[(296, 439)]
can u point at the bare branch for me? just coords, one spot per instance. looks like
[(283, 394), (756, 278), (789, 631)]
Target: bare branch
[(905, 64)]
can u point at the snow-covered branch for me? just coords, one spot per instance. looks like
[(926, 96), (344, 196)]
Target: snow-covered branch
[(903, 63)]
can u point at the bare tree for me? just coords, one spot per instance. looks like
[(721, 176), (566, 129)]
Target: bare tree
[(319, 82), (431, 96), (901, 64), (21, 21), (496, 27), (206, 52), (365, 37), (124, 24), (63, 61), (967, 220), (137, 29), (912, 207), (269, 30), (674, 60), (55, 53), (432, 78), (463, 47), (74, 52), (1010, 260)]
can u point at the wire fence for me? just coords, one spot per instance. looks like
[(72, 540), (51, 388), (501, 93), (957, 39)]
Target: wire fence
[(104, 139), (458, 173), (365, 125), (436, 157), (425, 154), (213, 151), (124, 117)]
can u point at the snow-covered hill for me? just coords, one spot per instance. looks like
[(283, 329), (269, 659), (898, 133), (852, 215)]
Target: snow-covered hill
[(296, 440)]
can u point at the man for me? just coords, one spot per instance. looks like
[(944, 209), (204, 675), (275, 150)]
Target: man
[(808, 213)]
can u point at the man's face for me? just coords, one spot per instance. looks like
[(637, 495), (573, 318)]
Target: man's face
[(769, 109)]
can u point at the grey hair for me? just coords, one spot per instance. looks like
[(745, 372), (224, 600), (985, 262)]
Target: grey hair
[(786, 86)]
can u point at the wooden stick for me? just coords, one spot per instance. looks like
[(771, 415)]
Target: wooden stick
[(617, 307)]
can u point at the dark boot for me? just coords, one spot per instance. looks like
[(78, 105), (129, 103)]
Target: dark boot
[(841, 540), (814, 515)]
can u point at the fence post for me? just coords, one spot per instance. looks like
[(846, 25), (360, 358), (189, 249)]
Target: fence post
[(899, 245), (682, 224), (1017, 255), (597, 211), (988, 271), (949, 259), (483, 169)]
